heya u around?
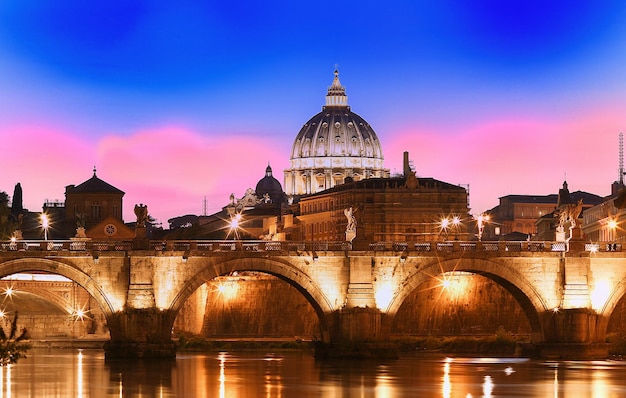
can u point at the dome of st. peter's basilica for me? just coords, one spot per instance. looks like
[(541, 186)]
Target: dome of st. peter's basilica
[(333, 145)]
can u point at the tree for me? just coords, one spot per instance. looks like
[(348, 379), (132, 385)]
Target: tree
[(17, 207), (12, 346), (7, 224)]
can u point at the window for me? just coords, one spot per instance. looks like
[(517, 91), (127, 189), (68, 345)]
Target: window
[(96, 211)]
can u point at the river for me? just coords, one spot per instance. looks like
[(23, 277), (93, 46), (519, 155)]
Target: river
[(48, 373)]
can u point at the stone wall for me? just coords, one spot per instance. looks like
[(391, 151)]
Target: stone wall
[(265, 306), (249, 305), (470, 304)]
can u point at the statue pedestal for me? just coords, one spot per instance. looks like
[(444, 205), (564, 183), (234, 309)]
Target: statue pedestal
[(350, 235), (80, 233), (560, 236), (141, 241)]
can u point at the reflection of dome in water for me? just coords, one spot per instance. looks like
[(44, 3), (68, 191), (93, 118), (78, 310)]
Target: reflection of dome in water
[(270, 186), (334, 144)]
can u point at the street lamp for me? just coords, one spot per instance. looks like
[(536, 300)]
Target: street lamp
[(45, 223), (234, 225), (612, 226), (481, 220), (444, 224)]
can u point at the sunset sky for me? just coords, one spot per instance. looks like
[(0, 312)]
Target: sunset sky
[(176, 101)]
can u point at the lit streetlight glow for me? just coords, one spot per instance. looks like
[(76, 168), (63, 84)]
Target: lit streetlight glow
[(45, 223), (481, 220), (234, 224)]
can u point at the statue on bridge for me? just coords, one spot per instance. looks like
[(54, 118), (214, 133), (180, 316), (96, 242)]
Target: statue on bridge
[(568, 213), (141, 211), (351, 224)]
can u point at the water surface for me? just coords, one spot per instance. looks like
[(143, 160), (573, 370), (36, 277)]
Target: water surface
[(85, 373)]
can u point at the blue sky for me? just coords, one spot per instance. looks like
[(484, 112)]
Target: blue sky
[(175, 101)]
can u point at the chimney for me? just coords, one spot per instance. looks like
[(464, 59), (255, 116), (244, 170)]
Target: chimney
[(406, 167)]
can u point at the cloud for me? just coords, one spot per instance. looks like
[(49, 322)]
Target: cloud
[(513, 155), (172, 169), (44, 160)]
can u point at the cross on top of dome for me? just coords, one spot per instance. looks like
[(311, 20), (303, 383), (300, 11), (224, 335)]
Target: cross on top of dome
[(336, 93)]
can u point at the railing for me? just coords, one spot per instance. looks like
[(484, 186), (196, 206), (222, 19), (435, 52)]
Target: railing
[(226, 246)]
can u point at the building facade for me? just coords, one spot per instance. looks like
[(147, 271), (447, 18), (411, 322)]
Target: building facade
[(90, 203), (400, 209), (531, 216)]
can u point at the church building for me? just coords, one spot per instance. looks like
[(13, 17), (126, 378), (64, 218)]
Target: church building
[(333, 145)]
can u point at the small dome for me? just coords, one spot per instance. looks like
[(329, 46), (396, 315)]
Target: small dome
[(268, 189)]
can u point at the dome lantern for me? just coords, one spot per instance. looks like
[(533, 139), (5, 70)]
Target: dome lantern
[(336, 93)]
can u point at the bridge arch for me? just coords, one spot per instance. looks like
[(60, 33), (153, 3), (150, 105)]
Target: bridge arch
[(56, 267), (280, 269), (529, 299), (53, 298), (604, 314)]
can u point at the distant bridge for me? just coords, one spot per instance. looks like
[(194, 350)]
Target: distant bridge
[(568, 291)]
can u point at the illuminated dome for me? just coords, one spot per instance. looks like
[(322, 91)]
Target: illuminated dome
[(268, 189), (333, 145)]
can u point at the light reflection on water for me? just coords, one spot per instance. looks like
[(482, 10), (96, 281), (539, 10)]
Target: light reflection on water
[(86, 374)]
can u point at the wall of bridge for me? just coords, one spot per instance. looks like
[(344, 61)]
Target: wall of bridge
[(355, 293)]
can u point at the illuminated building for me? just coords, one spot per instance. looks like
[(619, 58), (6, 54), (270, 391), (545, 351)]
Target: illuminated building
[(333, 145), (531, 215), (388, 209)]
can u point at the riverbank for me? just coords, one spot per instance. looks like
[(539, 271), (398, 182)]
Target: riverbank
[(500, 344)]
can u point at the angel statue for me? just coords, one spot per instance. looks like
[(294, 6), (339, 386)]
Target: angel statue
[(141, 211), (351, 226)]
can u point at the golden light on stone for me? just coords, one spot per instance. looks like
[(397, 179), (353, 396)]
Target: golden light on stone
[(455, 283), (383, 295), (332, 290), (228, 289), (600, 294), (9, 291), (79, 313)]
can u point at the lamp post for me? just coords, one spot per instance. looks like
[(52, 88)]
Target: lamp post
[(612, 224), (456, 224), (444, 224), (234, 225), (481, 220), (45, 223)]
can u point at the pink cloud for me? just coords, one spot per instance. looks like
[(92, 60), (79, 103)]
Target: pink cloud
[(513, 155), (172, 169), (44, 160)]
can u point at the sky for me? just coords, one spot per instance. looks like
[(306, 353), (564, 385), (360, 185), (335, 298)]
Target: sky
[(175, 102)]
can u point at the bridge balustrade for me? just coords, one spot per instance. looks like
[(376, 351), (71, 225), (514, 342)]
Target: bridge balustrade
[(286, 246), (467, 246), (422, 247)]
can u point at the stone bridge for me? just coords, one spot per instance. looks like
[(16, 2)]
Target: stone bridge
[(568, 291)]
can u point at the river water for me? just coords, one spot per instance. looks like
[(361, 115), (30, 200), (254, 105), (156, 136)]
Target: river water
[(48, 373)]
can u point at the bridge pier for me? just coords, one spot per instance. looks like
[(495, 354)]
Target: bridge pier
[(569, 334), (141, 333), (358, 332)]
